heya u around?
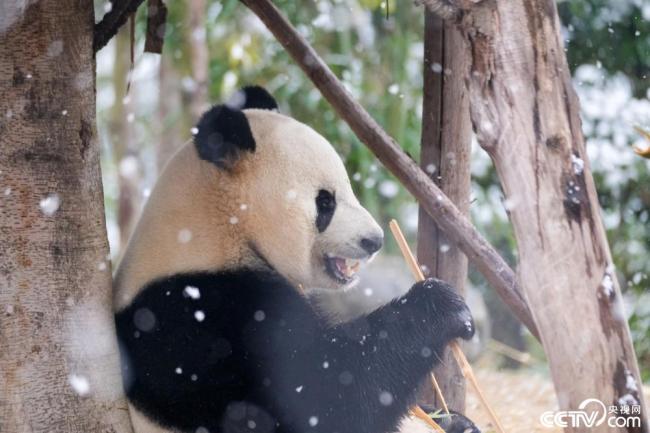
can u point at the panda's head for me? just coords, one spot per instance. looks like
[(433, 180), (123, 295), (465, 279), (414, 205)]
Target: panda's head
[(289, 190)]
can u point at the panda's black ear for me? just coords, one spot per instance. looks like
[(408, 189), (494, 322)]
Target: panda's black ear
[(222, 135), (253, 97)]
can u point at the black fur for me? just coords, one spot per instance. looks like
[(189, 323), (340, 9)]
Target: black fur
[(325, 208), (253, 97), (223, 133), (263, 355)]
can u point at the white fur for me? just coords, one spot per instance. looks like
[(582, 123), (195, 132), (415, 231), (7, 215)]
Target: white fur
[(277, 184), (410, 424)]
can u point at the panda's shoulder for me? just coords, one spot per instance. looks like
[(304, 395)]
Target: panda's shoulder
[(233, 291)]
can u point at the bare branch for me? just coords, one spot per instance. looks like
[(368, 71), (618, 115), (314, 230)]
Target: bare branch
[(442, 210), (114, 19)]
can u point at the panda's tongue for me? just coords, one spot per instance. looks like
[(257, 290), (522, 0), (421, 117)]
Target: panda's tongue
[(347, 267)]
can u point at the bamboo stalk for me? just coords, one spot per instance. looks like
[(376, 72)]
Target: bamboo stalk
[(465, 367), (418, 412), (505, 350), (436, 386)]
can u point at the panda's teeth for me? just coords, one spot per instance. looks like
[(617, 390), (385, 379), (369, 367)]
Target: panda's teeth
[(351, 262)]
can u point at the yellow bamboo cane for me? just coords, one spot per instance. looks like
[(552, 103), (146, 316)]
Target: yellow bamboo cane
[(465, 367)]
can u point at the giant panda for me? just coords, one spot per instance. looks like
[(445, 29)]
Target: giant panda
[(216, 331)]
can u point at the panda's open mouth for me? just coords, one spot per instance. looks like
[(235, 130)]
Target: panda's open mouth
[(341, 269)]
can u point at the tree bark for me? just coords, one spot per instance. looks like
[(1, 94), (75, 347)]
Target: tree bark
[(59, 369), (445, 157), (526, 116), (438, 206)]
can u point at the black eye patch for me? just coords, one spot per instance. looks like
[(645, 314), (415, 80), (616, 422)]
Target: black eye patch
[(325, 207)]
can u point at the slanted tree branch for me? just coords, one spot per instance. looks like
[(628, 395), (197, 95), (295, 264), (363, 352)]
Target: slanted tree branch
[(114, 19), (431, 198)]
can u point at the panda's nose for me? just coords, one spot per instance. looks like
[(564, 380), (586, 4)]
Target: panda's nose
[(372, 244)]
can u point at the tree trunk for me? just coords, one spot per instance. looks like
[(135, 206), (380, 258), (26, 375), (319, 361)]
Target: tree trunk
[(125, 155), (199, 58), (170, 113), (59, 369), (526, 116), (445, 156)]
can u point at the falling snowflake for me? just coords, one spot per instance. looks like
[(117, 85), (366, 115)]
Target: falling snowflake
[(80, 384), (192, 292), (313, 421), (386, 398), (199, 315), (291, 194), (184, 236), (144, 319), (55, 48), (388, 188), (128, 167), (50, 204)]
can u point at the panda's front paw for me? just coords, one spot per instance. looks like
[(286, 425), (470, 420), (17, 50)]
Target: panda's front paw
[(449, 309), (455, 422), (452, 422)]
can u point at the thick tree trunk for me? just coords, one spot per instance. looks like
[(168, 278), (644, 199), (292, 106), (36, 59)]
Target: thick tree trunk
[(445, 156), (59, 369), (526, 116)]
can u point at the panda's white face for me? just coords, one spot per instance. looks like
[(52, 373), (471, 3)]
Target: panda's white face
[(254, 184), (304, 217)]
